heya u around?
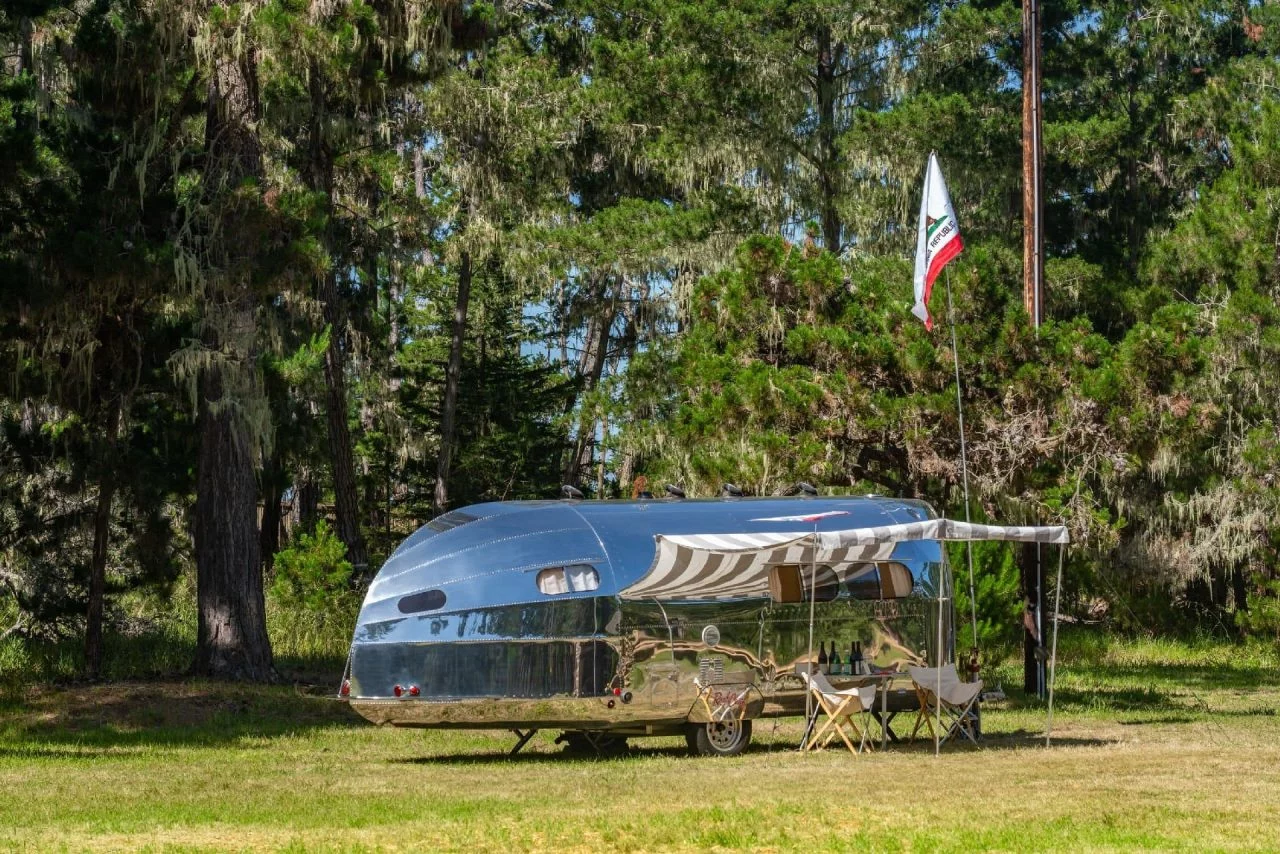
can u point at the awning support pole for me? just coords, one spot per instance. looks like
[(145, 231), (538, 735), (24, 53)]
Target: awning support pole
[(813, 588), (1053, 648), (937, 694)]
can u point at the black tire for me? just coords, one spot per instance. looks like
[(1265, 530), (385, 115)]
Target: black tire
[(726, 738)]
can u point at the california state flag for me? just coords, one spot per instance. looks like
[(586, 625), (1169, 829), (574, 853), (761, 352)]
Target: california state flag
[(939, 238)]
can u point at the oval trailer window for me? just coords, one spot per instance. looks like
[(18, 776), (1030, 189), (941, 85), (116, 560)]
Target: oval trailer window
[(427, 600)]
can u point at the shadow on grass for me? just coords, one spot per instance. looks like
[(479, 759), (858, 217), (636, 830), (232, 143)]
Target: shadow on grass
[(1005, 741), (115, 720)]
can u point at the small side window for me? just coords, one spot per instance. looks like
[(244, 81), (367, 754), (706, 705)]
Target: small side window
[(582, 578), (427, 600), (552, 581), (579, 578)]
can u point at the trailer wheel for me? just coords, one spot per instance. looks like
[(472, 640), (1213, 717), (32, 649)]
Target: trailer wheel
[(722, 738)]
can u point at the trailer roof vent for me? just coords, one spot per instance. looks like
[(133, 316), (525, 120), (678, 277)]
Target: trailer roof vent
[(416, 603)]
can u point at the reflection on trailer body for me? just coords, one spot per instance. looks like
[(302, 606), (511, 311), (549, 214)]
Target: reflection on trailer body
[(533, 615)]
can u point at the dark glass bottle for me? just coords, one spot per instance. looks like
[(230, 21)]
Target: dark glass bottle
[(834, 663), (822, 657), (854, 666)]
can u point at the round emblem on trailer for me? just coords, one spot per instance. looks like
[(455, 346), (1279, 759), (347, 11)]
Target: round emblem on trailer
[(711, 636)]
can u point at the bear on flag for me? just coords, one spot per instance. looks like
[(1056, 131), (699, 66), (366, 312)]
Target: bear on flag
[(938, 240)]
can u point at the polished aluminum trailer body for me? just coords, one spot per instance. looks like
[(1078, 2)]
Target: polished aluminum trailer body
[(535, 614)]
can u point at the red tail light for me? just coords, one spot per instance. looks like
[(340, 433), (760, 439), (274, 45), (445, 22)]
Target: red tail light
[(413, 691), (398, 690), (345, 690)]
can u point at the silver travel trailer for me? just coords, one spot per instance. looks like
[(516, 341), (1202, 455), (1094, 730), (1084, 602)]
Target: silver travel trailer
[(613, 619)]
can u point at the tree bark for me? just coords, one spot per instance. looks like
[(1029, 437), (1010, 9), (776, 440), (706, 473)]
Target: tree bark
[(272, 494), (98, 573), (231, 640), (308, 501), (346, 506), (828, 156), (342, 458), (231, 635), (453, 372), (595, 352)]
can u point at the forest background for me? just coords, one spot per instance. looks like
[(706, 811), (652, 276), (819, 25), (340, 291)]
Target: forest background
[(280, 280)]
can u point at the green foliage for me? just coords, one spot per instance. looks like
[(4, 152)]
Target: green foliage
[(1261, 617), (313, 573), (687, 229), (997, 592)]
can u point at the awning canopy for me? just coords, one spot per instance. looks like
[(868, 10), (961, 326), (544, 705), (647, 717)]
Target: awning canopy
[(732, 566), (943, 529), (735, 566)]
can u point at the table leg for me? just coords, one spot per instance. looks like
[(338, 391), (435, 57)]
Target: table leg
[(884, 715)]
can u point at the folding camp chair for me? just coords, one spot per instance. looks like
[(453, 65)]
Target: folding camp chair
[(839, 707), (957, 702)]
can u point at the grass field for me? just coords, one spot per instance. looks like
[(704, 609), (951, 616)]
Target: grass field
[(1157, 745)]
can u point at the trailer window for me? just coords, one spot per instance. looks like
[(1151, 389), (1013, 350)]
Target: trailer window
[(895, 581), (790, 582), (880, 581), (579, 578), (826, 584), (427, 600)]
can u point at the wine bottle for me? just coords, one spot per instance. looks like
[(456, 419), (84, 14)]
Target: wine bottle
[(822, 657), (853, 659), (834, 662), (857, 656)]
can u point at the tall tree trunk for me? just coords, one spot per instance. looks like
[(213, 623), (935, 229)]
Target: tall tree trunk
[(828, 157), (231, 636), (595, 352), (452, 376), (342, 457), (308, 501), (272, 494), (98, 572)]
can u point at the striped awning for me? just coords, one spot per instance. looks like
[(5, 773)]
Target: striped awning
[(943, 529), (736, 566), (733, 566)]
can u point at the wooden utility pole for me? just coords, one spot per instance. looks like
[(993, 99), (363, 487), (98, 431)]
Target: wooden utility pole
[(1033, 301), (1032, 157)]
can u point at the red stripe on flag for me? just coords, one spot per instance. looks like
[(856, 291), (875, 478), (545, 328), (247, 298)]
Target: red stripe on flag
[(948, 252)]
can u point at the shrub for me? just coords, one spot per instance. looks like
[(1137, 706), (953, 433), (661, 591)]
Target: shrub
[(314, 573)]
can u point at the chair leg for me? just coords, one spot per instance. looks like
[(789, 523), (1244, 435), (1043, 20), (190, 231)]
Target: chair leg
[(958, 723), (867, 743), (923, 717)]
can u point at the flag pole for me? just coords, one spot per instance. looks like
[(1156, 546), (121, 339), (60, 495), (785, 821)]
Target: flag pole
[(964, 461)]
